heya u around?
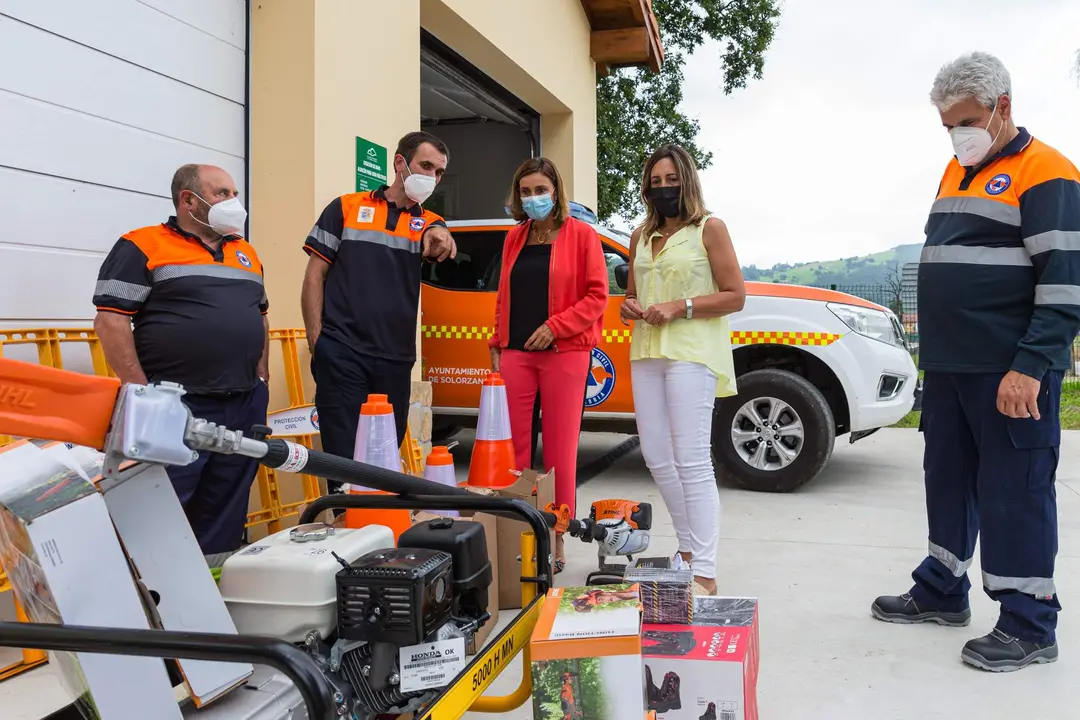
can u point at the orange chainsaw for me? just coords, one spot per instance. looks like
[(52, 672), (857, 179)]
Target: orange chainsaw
[(619, 527)]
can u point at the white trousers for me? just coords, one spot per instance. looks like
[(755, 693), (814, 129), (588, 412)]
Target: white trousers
[(673, 402)]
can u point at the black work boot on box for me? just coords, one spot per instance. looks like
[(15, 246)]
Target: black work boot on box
[(710, 712), (1000, 652), (668, 698), (903, 609)]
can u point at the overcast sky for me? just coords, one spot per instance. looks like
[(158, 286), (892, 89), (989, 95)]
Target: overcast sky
[(837, 151)]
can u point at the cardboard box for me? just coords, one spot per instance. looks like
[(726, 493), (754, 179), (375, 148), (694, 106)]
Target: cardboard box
[(421, 393), (538, 491), (61, 552), (585, 646), (490, 525), (157, 536), (714, 662)]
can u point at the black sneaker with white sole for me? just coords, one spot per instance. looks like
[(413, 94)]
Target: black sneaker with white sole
[(903, 609), (1001, 652)]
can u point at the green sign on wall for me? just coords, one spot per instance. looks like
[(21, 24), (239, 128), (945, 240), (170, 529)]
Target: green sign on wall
[(370, 165)]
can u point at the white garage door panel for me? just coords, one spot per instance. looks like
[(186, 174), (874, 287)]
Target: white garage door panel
[(83, 79), (46, 286), (58, 213), (224, 19), (142, 35), (63, 143)]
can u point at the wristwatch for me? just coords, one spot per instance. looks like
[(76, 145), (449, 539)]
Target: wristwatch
[(689, 308)]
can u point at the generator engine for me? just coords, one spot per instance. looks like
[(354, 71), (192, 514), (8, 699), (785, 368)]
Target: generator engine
[(371, 601)]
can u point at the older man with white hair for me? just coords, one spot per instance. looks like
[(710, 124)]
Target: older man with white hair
[(999, 302)]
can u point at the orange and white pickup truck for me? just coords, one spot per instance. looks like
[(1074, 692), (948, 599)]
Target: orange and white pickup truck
[(812, 364)]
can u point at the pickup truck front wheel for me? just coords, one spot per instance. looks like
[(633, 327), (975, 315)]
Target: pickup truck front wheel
[(775, 435)]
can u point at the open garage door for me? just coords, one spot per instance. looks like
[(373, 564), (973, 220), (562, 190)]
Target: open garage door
[(488, 130)]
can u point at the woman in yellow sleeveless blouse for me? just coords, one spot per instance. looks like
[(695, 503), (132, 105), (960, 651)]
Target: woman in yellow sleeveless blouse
[(684, 282)]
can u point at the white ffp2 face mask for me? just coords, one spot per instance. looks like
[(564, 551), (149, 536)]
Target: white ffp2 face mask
[(226, 217), (972, 144), (419, 187)]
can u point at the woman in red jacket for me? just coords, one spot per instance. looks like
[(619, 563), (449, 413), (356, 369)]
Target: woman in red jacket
[(553, 291)]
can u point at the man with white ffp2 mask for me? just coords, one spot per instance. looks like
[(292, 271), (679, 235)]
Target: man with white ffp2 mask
[(999, 308), (362, 291), (193, 289)]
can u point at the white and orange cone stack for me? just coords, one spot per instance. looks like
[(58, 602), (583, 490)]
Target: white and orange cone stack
[(376, 444), (492, 464), (440, 469)]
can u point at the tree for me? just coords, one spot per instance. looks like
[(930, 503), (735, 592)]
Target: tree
[(894, 287), (637, 110)]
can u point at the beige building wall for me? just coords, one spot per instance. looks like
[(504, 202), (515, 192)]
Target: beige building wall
[(542, 56), (327, 71)]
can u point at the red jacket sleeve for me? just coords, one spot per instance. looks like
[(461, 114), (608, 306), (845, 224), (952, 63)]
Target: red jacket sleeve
[(494, 341), (587, 311), (501, 299)]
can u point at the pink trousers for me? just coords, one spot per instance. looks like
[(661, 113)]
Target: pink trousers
[(560, 378)]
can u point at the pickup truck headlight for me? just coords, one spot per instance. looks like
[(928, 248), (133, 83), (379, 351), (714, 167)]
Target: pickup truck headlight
[(873, 324)]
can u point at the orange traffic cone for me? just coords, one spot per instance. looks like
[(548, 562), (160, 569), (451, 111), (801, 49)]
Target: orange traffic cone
[(376, 444), (492, 464), (440, 469)]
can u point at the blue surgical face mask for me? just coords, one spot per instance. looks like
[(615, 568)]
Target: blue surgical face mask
[(538, 207)]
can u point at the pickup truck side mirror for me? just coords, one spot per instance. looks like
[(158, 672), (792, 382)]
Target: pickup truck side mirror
[(622, 275)]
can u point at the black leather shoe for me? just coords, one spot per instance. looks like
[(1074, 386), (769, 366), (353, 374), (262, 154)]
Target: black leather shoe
[(710, 712), (903, 609), (668, 698), (1000, 652)]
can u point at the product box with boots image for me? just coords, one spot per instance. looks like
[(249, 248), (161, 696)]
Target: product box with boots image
[(708, 670), (587, 642)]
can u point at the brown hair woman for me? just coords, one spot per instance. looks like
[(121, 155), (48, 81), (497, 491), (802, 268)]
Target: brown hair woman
[(553, 290)]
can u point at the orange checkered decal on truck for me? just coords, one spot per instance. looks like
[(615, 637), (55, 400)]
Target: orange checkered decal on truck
[(457, 332), (763, 337), (738, 337), (619, 336)]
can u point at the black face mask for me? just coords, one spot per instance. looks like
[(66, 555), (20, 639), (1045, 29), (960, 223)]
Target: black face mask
[(665, 200)]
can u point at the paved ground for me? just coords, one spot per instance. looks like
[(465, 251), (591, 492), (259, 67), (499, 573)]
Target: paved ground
[(816, 559)]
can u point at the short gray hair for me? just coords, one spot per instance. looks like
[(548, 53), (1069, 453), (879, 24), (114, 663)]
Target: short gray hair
[(186, 178), (976, 75)]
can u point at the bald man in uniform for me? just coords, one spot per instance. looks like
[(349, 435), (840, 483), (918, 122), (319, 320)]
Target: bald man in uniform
[(183, 301)]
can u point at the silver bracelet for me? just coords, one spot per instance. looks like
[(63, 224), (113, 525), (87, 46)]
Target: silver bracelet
[(689, 308)]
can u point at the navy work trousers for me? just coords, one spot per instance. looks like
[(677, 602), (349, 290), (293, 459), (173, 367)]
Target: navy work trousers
[(990, 474), (343, 380), (215, 489)]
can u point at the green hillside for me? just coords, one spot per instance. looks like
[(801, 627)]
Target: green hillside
[(864, 270)]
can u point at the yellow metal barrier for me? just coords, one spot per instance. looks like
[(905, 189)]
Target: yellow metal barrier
[(272, 509), (47, 343)]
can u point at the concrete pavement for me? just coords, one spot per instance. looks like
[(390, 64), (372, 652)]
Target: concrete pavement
[(817, 558)]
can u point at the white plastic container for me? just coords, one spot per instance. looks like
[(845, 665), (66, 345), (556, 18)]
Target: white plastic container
[(284, 585)]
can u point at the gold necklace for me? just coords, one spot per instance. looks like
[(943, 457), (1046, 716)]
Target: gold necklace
[(541, 236)]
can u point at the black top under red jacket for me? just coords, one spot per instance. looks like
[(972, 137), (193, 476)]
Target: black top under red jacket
[(372, 290), (999, 276)]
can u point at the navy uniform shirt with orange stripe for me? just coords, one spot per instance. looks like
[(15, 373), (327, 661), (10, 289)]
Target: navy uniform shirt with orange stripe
[(197, 312), (999, 276), (372, 289)]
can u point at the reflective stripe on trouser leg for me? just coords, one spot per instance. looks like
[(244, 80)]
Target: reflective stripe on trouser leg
[(950, 463), (1018, 506)]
